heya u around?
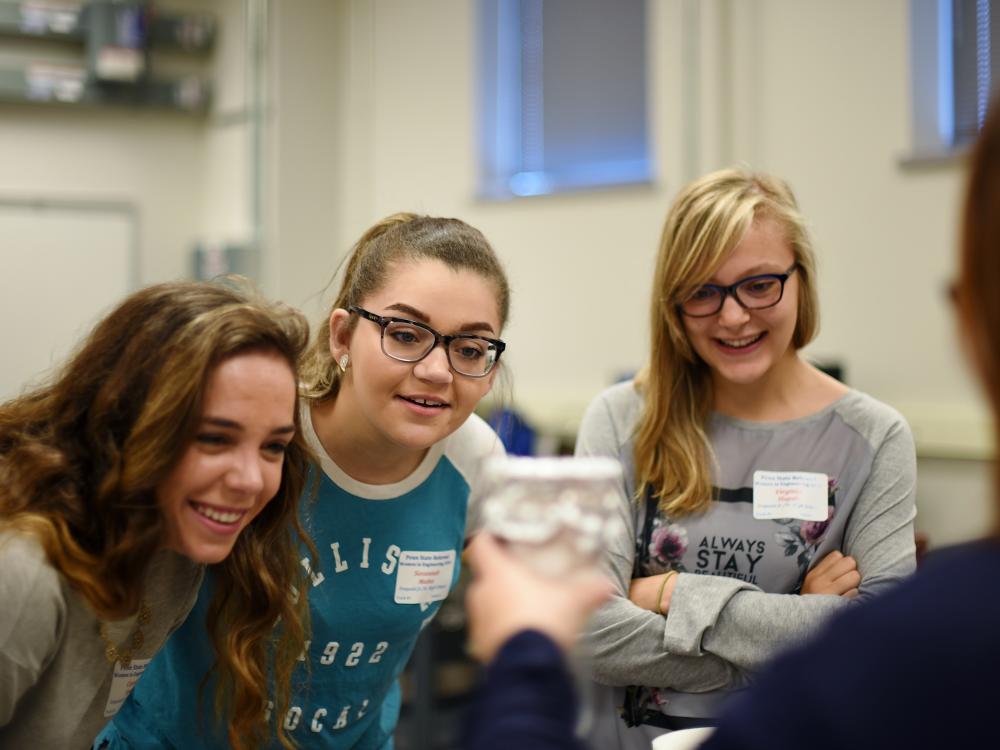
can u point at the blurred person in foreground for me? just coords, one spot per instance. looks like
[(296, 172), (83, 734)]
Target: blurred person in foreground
[(521, 624), (918, 667)]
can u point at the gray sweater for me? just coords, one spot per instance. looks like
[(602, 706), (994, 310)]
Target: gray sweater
[(735, 602), (56, 686)]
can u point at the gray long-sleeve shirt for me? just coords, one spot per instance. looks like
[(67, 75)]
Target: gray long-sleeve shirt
[(57, 687), (734, 604)]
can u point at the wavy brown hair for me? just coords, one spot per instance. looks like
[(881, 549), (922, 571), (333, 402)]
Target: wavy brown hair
[(396, 238), (707, 220), (82, 456)]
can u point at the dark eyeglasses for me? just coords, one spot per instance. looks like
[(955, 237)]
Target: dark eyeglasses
[(752, 293), (409, 341)]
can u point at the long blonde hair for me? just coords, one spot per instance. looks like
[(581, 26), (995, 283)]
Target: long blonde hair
[(399, 237), (81, 459), (707, 220)]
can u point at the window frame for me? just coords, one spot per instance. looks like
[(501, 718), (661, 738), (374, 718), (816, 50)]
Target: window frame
[(932, 85), (510, 93)]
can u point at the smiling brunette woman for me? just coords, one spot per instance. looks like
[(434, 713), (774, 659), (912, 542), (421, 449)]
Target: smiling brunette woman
[(408, 350), (169, 441), (753, 481)]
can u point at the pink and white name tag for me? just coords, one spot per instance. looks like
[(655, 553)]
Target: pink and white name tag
[(424, 577), (122, 682), (790, 494)]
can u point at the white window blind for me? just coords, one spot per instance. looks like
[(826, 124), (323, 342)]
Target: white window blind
[(975, 67), (562, 95)]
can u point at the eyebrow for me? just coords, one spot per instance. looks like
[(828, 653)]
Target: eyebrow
[(229, 424), (759, 270), (423, 318)]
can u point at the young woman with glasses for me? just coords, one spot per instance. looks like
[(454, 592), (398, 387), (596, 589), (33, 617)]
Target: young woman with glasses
[(761, 494), (917, 668), (168, 442), (410, 347)]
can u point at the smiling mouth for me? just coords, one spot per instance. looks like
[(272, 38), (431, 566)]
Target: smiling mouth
[(741, 343), (219, 516), (426, 402)]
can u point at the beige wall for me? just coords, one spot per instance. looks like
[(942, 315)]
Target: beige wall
[(148, 161), (183, 174), (172, 178), (817, 92), (826, 87), (405, 141), (372, 110)]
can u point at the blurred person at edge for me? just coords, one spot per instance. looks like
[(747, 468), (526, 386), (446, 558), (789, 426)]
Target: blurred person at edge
[(168, 442), (918, 667)]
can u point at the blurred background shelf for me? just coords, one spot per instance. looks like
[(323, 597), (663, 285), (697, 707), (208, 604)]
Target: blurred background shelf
[(73, 22), (101, 53)]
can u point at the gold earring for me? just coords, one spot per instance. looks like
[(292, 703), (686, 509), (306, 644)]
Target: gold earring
[(343, 362)]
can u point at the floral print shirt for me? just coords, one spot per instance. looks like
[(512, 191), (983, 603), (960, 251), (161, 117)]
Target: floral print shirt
[(735, 602), (664, 544)]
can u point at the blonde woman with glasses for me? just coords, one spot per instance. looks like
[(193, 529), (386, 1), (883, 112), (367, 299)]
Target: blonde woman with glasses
[(761, 495), (917, 668)]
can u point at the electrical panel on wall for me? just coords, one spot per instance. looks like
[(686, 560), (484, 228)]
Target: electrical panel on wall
[(118, 41)]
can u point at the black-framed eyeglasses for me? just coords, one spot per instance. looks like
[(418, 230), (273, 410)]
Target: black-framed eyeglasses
[(409, 341), (752, 293)]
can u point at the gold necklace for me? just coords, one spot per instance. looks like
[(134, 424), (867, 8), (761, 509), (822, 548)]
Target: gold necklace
[(112, 652)]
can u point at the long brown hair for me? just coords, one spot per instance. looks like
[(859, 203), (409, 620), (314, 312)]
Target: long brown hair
[(977, 300), (81, 459), (399, 237), (707, 220)]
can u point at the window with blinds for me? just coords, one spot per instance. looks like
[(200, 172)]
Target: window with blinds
[(975, 61), (953, 71), (562, 95)]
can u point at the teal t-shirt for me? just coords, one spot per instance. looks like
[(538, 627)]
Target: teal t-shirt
[(388, 554)]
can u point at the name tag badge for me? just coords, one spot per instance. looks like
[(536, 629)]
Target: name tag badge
[(424, 577), (122, 682), (790, 494)]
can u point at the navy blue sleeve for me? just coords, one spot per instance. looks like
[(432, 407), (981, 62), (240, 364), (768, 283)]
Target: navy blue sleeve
[(784, 709), (914, 668), (525, 700)]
